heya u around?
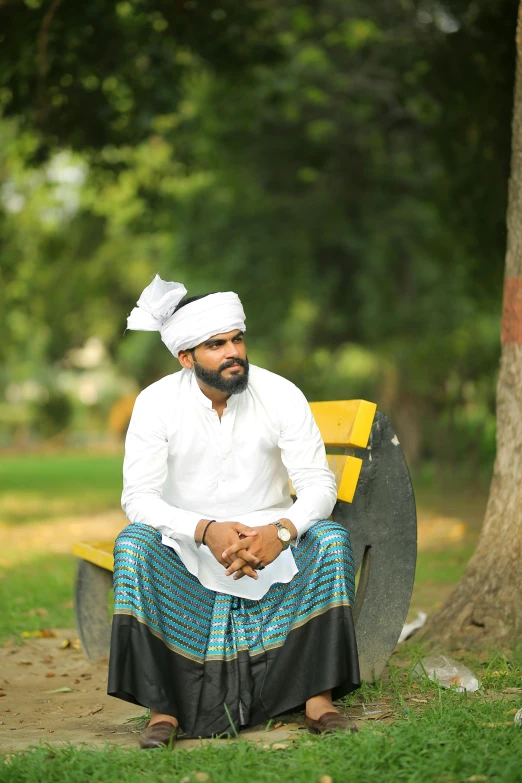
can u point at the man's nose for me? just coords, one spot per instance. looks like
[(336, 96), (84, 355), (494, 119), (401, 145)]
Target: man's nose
[(232, 351)]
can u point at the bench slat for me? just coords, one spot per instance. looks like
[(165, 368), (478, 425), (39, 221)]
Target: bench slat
[(346, 470), (97, 552), (345, 423)]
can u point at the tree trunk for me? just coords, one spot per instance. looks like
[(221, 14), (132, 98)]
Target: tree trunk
[(486, 606)]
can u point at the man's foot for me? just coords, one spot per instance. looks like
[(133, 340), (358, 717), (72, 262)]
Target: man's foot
[(330, 721), (160, 730), (322, 717), (157, 735)]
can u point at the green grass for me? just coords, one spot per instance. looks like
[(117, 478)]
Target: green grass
[(446, 567), (36, 595), (452, 738), (43, 486), (448, 738)]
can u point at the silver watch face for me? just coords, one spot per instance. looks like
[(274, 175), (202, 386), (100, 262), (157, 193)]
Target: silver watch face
[(284, 534)]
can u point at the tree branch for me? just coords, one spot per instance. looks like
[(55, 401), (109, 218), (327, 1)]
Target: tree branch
[(42, 60)]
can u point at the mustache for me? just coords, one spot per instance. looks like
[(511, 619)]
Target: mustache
[(231, 363)]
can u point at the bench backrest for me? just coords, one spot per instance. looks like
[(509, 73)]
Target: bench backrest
[(344, 424)]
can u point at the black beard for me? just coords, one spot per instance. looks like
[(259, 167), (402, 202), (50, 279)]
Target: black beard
[(214, 378)]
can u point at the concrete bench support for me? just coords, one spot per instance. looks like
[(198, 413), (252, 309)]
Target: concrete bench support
[(382, 522)]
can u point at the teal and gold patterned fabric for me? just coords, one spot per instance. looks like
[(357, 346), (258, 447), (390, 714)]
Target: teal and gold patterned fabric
[(184, 650)]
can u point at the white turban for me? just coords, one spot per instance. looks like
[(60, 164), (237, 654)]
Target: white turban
[(192, 324)]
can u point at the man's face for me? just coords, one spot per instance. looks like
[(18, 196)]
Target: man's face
[(221, 362)]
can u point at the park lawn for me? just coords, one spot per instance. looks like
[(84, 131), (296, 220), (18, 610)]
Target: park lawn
[(36, 595), (44, 486), (434, 736)]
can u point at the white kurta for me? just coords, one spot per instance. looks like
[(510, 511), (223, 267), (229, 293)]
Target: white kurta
[(183, 464)]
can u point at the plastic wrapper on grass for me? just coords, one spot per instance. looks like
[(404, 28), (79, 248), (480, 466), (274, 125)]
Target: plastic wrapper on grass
[(447, 673)]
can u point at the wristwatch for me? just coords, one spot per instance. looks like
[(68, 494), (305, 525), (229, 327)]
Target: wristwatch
[(283, 534)]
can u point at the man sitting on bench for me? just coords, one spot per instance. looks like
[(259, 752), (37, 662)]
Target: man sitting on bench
[(231, 604)]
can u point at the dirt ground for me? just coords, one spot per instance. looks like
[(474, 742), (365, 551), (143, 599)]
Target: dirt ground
[(50, 693), (54, 695)]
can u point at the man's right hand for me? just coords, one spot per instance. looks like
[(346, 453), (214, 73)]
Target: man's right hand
[(221, 535)]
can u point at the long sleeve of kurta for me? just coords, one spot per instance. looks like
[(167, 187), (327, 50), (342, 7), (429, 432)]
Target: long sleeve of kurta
[(303, 455), (145, 470)]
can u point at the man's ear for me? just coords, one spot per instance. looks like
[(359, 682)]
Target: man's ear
[(186, 360)]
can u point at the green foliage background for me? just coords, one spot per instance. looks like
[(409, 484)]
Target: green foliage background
[(341, 165)]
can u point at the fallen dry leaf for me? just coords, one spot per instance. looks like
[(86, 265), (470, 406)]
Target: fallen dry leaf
[(50, 674), (24, 663), (3, 693), (97, 708), (41, 611), (201, 776), (47, 659), (65, 644), (43, 633), (59, 690), (279, 746)]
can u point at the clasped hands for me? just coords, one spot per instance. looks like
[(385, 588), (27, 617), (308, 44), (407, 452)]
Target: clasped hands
[(242, 549)]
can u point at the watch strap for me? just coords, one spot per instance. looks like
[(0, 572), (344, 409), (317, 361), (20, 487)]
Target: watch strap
[(279, 527)]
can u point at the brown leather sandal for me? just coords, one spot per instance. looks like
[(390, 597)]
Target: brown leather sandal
[(330, 721), (158, 735)]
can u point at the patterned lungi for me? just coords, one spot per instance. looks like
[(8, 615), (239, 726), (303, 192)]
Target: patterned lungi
[(187, 651)]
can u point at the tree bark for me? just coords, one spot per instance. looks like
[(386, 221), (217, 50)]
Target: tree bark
[(485, 609)]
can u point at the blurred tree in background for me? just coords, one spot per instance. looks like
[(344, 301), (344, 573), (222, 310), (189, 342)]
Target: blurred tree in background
[(342, 165)]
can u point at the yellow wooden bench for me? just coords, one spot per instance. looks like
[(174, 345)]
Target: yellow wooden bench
[(375, 503)]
